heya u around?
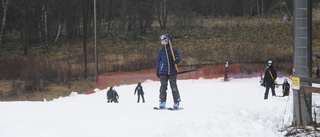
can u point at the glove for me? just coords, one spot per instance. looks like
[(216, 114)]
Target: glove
[(176, 60), (263, 84), (158, 74)]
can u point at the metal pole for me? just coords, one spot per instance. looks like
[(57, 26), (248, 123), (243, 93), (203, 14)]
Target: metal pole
[(299, 106), (95, 38), (302, 60)]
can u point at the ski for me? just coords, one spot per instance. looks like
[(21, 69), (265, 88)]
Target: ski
[(173, 56), (222, 80), (279, 96), (175, 109), (156, 108)]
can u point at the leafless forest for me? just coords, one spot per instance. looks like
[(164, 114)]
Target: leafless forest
[(52, 41)]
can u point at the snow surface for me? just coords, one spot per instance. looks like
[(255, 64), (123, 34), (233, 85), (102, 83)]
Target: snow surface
[(212, 108)]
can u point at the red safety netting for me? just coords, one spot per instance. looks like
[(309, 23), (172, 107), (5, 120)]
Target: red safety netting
[(118, 78)]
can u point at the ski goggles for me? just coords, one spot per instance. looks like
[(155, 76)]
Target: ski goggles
[(163, 37)]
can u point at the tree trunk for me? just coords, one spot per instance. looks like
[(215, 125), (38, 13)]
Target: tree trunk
[(45, 25), (43, 31), (58, 32), (5, 4), (162, 13), (85, 24)]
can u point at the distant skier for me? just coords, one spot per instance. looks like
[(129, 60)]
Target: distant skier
[(261, 78), (285, 87), (226, 72), (139, 89), (115, 96), (317, 72), (269, 80), (112, 95)]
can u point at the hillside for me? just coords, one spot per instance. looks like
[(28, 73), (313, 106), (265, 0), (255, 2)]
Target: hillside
[(207, 40)]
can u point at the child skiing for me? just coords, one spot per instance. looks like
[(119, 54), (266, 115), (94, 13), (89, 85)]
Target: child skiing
[(140, 92), (285, 87), (167, 60), (112, 95)]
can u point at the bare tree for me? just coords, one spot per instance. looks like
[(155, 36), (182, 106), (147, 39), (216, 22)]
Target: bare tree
[(43, 28), (144, 15), (280, 7), (5, 5), (162, 9)]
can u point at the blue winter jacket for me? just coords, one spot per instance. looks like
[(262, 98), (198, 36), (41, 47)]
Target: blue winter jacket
[(165, 64)]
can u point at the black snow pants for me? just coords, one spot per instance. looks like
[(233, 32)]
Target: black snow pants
[(164, 86), (140, 94), (268, 86)]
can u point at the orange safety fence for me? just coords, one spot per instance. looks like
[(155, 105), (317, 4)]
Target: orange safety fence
[(120, 78)]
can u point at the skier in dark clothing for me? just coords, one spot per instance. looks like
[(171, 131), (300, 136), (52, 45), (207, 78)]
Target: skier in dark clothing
[(166, 71), (115, 96), (139, 89), (112, 95), (285, 88), (269, 80), (317, 72), (226, 72)]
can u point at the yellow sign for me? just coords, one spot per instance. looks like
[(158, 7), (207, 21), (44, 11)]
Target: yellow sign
[(295, 82)]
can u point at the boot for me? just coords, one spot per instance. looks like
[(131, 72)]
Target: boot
[(176, 105), (162, 105)]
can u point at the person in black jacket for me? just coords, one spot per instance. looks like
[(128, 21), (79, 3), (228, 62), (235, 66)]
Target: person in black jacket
[(115, 96), (110, 94), (140, 92), (269, 80), (226, 72), (285, 87), (317, 72)]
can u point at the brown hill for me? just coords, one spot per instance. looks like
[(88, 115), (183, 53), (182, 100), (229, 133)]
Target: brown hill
[(250, 41)]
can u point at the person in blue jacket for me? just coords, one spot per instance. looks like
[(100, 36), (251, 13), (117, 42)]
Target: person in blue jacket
[(166, 71)]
